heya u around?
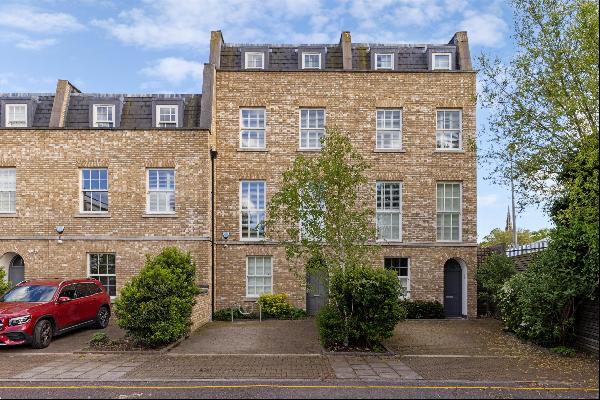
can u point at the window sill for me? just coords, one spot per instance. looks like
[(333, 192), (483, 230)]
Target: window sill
[(389, 151), (449, 151), (251, 150), (158, 215), (9, 215), (390, 242), (448, 241), (252, 240), (309, 150), (92, 215)]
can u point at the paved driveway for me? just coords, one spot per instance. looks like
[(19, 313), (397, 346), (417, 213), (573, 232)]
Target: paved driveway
[(69, 342), (253, 337)]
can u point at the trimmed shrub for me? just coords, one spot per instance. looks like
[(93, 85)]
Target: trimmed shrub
[(423, 309), (365, 300), (277, 306), (99, 339), (155, 307)]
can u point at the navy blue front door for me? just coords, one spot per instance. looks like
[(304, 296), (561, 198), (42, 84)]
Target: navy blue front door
[(452, 289)]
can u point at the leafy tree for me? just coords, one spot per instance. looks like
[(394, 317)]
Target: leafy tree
[(155, 307), (4, 284), (318, 206), (525, 236), (544, 101), (495, 270)]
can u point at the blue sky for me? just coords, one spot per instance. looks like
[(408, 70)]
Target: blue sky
[(155, 46)]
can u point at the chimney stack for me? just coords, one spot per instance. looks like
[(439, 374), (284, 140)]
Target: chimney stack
[(346, 43), (60, 104)]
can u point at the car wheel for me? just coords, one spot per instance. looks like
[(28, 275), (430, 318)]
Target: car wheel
[(102, 317), (42, 334)]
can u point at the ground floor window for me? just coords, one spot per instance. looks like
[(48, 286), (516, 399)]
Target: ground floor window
[(101, 266), (401, 266), (259, 275)]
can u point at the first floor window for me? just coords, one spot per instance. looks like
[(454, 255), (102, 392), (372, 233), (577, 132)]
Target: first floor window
[(259, 275), (252, 128), (448, 211), (255, 60), (101, 266), (161, 191), (252, 208), (166, 116), (389, 129), (389, 210), (94, 190), (8, 190), (384, 61), (312, 128), (401, 266), (16, 116), (104, 116), (449, 129)]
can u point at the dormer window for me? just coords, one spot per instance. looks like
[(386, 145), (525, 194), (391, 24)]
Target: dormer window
[(167, 116), (16, 115), (384, 61), (254, 60), (311, 60), (104, 116), (441, 61)]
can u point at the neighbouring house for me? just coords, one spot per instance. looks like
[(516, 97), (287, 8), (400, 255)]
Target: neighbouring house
[(128, 174)]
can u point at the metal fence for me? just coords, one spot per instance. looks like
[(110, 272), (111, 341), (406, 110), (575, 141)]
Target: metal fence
[(527, 248)]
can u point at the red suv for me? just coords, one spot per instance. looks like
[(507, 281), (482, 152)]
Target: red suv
[(35, 311)]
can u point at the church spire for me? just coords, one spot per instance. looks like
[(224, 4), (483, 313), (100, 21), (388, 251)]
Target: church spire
[(508, 227)]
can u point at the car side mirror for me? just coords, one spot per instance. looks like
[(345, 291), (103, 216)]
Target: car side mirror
[(63, 299)]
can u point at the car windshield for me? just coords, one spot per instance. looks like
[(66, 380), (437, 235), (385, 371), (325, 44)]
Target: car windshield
[(30, 294)]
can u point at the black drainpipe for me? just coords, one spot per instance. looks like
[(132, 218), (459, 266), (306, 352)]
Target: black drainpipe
[(213, 157)]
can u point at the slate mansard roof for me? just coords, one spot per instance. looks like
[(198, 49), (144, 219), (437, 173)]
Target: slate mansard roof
[(133, 111)]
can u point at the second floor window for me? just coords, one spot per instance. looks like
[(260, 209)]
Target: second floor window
[(441, 61), (94, 190), (448, 132), (16, 116), (104, 116), (389, 129), (311, 60), (312, 128), (167, 116), (252, 128), (8, 190), (252, 209), (384, 61), (254, 60), (161, 191), (449, 211), (389, 211)]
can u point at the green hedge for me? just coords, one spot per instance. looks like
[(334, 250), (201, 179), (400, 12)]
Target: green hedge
[(423, 309), (277, 306)]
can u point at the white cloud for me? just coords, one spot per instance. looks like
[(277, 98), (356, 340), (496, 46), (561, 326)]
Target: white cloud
[(33, 44), (487, 200), (174, 70), (484, 29), (31, 19)]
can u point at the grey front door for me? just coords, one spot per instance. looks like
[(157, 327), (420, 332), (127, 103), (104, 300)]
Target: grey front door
[(16, 270), (452, 289), (316, 293)]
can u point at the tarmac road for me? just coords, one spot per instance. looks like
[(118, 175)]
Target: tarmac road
[(291, 389)]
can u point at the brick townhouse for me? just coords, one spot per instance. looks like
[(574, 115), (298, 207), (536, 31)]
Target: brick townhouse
[(128, 174)]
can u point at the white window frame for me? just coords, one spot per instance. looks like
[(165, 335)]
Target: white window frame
[(261, 276), (82, 190), (378, 130), (310, 53), (7, 114), (460, 130), (257, 210), (399, 212), (90, 275), (450, 66), (460, 211), (95, 116), (385, 54), (312, 129), (408, 277), (254, 53), (10, 192), (148, 191), (170, 124), (263, 129)]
